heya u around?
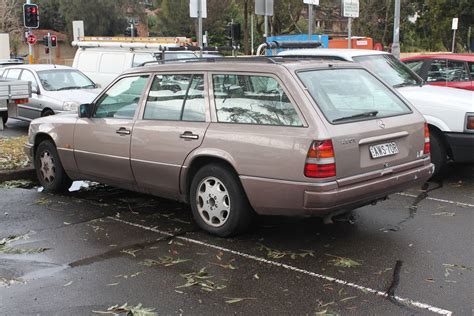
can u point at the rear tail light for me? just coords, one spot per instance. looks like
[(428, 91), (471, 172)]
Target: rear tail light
[(20, 101), (470, 123), (426, 149), (320, 161)]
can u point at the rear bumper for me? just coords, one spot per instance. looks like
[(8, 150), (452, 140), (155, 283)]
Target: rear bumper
[(462, 146), (276, 197)]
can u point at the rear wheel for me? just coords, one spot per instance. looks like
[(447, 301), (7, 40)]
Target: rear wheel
[(4, 117), (49, 169), (439, 155), (218, 201)]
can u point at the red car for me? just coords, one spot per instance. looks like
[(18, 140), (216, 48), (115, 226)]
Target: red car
[(447, 70)]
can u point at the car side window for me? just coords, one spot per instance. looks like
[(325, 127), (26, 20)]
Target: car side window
[(437, 71), (13, 74), (121, 100), (415, 65), (253, 99), (471, 69), (176, 97), (27, 75), (456, 71)]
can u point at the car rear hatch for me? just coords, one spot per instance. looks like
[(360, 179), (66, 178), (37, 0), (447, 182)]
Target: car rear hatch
[(373, 132)]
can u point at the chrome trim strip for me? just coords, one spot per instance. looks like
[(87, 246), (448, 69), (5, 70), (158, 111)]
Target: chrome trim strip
[(97, 154), (156, 163), (383, 137)]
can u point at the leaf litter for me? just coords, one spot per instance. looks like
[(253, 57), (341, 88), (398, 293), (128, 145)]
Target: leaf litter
[(138, 310), (13, 184), (448, 268), (233, 300), (343, 262), (166, 261), (12, 155), (6, 249), (201, 279), (278, 254)]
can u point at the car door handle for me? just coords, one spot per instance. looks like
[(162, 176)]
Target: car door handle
[(189, 135), (123, 131)]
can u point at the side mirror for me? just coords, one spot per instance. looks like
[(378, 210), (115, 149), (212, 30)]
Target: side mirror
[(85, 110), (36, 90)]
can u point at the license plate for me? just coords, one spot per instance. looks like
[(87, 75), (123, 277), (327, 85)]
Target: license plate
[(383, 150)]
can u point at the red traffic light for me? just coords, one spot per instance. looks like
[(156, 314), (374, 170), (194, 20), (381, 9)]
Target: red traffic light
[(30, 15), (54, 41)]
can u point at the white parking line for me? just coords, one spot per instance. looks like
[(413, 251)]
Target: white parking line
[(406, 301), (438, 200)]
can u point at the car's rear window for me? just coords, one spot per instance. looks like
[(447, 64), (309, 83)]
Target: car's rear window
[(346, 95)]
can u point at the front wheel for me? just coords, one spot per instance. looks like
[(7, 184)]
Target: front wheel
[(4, 117), (439, 155), (49, 169), (218, 201)]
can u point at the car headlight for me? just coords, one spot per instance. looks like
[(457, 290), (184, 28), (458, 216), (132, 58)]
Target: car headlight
[(70, 106)]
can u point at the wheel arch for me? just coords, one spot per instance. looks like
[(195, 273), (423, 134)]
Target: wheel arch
[(196, 163), (440, 134), (40, 137)]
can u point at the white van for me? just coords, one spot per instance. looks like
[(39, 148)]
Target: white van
[(103, 64)]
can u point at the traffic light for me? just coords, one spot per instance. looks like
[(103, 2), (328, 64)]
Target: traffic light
[(46, 40), (233, 33), (130, 32), (30, 15), (54, 41)]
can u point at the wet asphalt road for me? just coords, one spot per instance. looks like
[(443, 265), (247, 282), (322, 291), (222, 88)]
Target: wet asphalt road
[(107, 246)]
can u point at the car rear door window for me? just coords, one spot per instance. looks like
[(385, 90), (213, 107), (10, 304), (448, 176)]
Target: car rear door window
[(176, 97), (253, 99), (121, 100), (27, 75)]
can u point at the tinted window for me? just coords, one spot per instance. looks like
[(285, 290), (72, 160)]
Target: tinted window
[(253, 100), (176, 98), (351, 94), (471, 69), (121, 100)]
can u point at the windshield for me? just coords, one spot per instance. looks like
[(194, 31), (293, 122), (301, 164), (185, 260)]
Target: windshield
[(345, 95), (390, 69), (64, 79)]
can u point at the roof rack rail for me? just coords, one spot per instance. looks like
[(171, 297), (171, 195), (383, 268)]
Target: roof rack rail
[(270, 60)]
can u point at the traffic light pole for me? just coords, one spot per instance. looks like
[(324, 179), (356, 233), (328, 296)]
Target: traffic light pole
[(200, 27), (49, 49), (30, 47)]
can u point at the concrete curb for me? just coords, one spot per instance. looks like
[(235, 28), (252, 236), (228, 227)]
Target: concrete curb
[(27, 173)]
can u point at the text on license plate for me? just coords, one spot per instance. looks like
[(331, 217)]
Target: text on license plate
[(383, 150)]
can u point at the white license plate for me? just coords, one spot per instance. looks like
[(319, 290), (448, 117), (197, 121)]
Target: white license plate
[(382, 150)]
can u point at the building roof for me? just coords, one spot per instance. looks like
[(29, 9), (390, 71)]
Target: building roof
[(43, 32)]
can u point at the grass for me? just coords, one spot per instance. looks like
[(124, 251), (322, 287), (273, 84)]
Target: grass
[(12, 155)]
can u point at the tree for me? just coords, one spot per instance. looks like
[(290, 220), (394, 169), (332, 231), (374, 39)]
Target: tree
[(10, 11), (50, 18)]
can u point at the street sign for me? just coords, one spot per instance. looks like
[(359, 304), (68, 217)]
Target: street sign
[(77, 30), (264, 7), (313, 2), (31, 39), (351, 8), (455, 24), (193, 8)]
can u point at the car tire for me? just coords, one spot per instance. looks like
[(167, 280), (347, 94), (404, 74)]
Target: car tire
[(4, 117), (439, 154), (49, 170), (218, 201), (47, 112)]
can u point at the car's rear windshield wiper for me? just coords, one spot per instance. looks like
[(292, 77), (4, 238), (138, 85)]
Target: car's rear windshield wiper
[(356, 116), (68, 88)]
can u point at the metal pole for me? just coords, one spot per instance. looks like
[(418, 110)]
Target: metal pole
[(266, 27), (251, 35), (349, 33), (396, 30), (49, 49), (30, 47), (454, 41), (310, 21), (200, 27), (132, 30)]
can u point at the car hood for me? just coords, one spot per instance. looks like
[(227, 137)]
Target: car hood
[(80, 95), (447, 98)]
